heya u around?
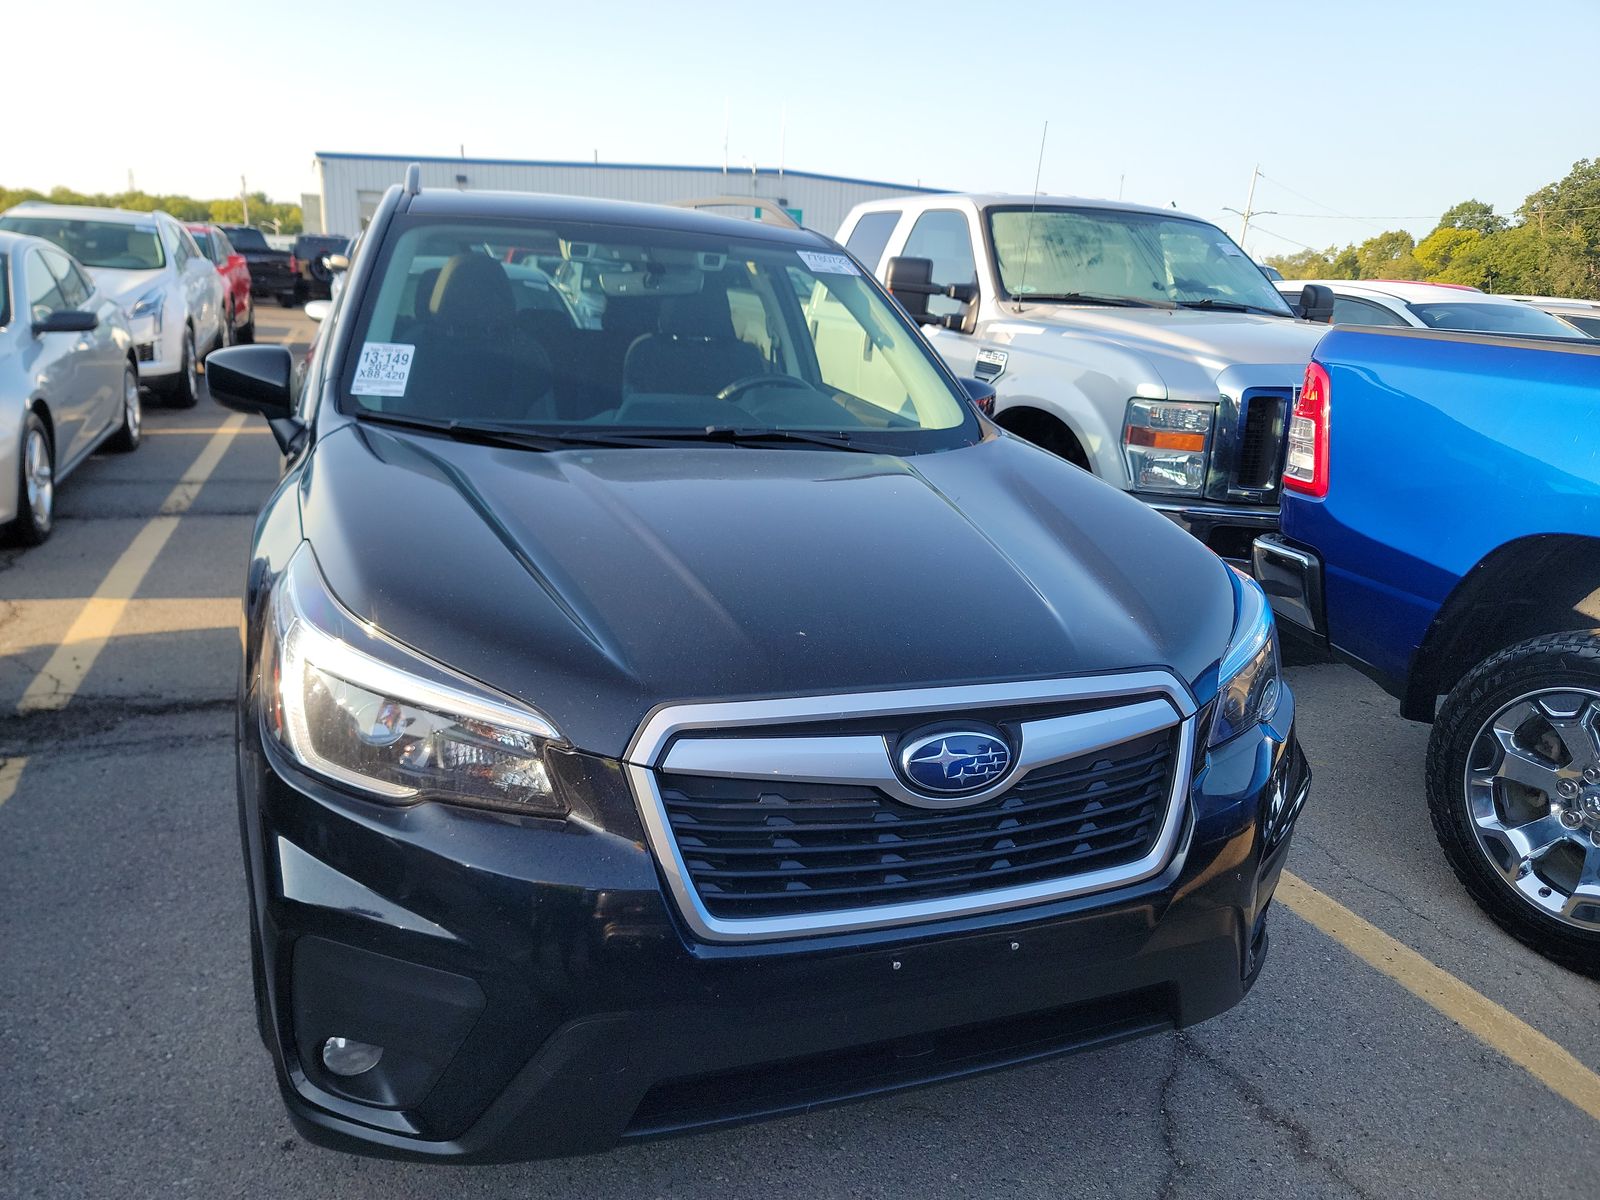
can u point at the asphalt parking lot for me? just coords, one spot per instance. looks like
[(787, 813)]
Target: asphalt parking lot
[(1397, 1045)]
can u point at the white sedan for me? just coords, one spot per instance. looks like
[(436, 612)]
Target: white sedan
[(172, 294), (1431, 306)]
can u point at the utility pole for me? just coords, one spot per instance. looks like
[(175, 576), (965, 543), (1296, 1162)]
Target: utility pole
[(1249, 205), (244, 199)]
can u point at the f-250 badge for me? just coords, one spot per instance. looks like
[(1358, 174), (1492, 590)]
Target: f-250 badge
[(991, 365)]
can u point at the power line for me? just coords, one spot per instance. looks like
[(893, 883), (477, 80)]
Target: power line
[(1260, 228)]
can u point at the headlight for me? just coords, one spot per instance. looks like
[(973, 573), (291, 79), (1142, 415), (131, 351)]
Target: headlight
[(1249, 680), (150, 305), (351, 705), (1167, 444)]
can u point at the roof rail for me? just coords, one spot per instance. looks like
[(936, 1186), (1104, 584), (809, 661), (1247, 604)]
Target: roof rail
[(413, 183), (770, 215)]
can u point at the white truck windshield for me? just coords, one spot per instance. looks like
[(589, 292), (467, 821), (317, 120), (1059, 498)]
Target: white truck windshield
[(1086, 254)]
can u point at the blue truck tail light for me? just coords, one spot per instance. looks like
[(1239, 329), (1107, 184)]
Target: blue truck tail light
[(1306, 467)]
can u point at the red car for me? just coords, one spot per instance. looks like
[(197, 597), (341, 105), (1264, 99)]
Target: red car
[(239, 314)]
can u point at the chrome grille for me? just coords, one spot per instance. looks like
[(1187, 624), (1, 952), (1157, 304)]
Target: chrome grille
[(764, 848), (783, 818)]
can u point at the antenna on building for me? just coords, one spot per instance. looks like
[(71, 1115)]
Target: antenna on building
[(1027, 238), (783, 138)]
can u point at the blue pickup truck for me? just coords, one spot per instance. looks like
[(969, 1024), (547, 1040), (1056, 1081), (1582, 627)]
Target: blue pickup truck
[(1441, 532)]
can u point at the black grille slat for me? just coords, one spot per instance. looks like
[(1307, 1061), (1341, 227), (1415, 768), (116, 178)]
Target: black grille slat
[(903, 863), (948, 883), (934, 825), (1262, 430), (686, 832), (769, 847)]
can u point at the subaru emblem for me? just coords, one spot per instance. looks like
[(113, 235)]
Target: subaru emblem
[(954, 763)]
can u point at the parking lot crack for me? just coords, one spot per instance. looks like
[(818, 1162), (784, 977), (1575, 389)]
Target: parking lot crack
[(1169, 1123), (1299, 1138)]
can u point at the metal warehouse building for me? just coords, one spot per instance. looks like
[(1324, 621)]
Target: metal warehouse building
[(352, 184)]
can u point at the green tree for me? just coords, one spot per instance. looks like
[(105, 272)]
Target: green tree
[(1302, 264), (285, 218), (1389, 255), (1474, 215), (1439, 249)]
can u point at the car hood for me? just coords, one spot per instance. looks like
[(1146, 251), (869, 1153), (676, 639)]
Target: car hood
[(1190, 348), (597, 584), (125, 286)]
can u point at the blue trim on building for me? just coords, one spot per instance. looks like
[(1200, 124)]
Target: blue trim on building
[(761, 172)]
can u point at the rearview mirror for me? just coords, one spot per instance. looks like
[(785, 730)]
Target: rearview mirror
[(336, 262), (1316, 303), (67, 320), (318, 310)]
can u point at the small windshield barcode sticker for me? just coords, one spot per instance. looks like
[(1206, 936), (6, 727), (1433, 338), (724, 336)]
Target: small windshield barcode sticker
[(827, 264), (383, 369)]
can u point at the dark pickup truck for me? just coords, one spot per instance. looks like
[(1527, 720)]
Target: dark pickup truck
[(313, 278), (270, 273)]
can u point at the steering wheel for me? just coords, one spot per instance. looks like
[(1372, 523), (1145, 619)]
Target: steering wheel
[(740, 386)]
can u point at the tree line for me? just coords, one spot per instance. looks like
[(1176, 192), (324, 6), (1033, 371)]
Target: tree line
[(264, 213), (1549, 247)]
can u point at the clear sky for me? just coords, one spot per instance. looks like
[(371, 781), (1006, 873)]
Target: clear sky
[(1392, 110)]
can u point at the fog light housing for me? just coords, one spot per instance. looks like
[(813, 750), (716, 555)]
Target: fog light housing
[(348, 1057)]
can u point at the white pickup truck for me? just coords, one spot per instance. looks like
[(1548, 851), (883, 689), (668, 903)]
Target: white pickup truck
[(1140, 343)]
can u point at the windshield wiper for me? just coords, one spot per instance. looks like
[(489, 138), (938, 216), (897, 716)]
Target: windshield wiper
[(738, 435), (522, 438), (1233, 306), (515, 437), (1091, 298)]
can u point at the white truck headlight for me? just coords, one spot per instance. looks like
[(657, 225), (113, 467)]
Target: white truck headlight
[(355, 707), (1167, 444)]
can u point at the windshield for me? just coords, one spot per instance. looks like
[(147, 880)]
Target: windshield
[(112, 244), (203, 240), (1128, 256), (612, 329), (5, 295), (1493, 318), (245, 238)]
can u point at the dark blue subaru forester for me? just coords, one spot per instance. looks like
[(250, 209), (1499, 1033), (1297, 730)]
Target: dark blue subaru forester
[(673, 702)]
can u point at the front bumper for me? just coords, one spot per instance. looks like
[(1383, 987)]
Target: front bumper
[(537, 992), (1291, 575), (160, 354), (1226, 529)]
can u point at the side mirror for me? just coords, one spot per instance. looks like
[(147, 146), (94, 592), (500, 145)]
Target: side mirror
[(252, 379), (910, 281), (981, 393), (336, 262), (318, 310), (67, 320), (1316, 303)]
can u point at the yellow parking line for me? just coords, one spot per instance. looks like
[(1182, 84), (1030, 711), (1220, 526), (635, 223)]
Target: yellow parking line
[(1476, 1013), (58, 681), (10, 776)]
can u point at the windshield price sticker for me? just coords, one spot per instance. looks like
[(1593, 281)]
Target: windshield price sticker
[(827, 264), (383, 369)]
